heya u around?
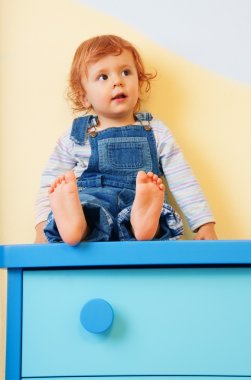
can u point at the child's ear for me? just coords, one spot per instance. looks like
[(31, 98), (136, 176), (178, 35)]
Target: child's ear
[(86, 102)]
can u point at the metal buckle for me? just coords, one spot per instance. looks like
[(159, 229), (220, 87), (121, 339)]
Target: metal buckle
[(147, 127), (92, 131)]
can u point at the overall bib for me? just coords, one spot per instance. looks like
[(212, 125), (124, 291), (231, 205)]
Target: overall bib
[(107, 187)]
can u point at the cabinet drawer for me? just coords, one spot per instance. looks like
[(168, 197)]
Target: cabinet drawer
[(166, 322)]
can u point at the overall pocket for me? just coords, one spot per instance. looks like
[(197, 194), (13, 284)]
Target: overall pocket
[(124, 155)]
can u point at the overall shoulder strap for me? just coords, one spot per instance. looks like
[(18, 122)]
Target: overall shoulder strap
[(79, 128), (143, 116)]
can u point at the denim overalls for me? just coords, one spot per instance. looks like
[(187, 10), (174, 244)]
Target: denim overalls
[(107, 186)]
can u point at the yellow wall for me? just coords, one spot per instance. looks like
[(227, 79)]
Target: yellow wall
[(209, 115)]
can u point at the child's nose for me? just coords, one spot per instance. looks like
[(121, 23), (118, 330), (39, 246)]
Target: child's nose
[(117, 82)]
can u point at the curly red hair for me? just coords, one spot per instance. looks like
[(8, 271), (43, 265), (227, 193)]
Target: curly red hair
[(91, 51)]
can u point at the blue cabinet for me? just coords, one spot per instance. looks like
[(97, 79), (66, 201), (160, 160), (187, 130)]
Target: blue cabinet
[(142, 378), (172, 315)]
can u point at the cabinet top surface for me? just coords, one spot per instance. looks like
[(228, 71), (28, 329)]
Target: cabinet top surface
[(121, 254)]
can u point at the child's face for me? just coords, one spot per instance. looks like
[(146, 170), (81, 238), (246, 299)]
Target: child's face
[(112, 87)]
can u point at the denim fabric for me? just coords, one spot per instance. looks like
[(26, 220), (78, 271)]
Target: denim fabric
[(107, 186), (118, 154)]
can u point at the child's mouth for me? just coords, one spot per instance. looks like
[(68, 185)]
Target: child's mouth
[(119, 96)]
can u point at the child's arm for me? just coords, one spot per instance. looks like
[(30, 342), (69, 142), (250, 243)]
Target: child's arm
[(206, 232), (184, 186)]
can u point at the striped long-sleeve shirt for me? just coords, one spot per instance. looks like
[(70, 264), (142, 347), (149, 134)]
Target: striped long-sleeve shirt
[(68, 155)]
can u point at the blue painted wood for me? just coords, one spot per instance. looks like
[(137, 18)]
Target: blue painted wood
[(118, 254), (144, 378), (14, 325), (171, 253), (167, 321), (97, 316)]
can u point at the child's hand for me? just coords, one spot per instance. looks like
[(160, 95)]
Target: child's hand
[(206, 232), (40, 237)]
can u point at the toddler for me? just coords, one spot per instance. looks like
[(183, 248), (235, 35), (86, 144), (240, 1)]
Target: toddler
[(103, 181)]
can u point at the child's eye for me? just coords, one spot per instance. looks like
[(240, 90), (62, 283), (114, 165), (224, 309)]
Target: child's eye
[(103, 77), (125, 73)]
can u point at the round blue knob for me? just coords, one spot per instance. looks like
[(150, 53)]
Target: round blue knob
[(97, 316)]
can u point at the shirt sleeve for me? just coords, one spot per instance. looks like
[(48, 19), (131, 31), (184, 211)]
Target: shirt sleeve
[(61, 160), (181, 180)]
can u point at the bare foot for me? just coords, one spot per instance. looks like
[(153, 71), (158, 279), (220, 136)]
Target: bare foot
[(67, 209), (147, 205)]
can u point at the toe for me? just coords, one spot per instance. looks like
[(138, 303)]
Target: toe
[(155, 178), (55, 183), (150, 174), (159, 181), (161, 186), (141, 177)]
